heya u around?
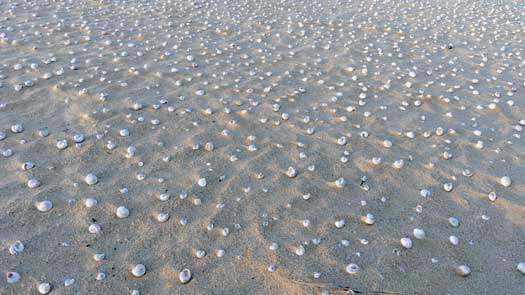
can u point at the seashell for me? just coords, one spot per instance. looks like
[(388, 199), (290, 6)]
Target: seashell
[(339, 223), (91, 179), (505, 181), (377, 160), (274, 246), (185, 276), (220, 253), (406, 243), (467, 173), (387, 143), (368, 219), (463, 270), (425, 193), (291, 172), (44, 288), (62, 144), (7, 153), (44, 206), (163, 217), (138, 270), (398, 164), (90, 202), (272, 268), (2, 135), (12, 277), (16, 248), (453, 221), (42, 132), (340, 182), (200, 253), (33, 183), (124, 132), (492, 196), (135, 292), (209, 146), (122, 212), (448, 186), (99, 257), (17, 128), (352, 268), (299, 251), (453, 240), (521, 267), (27, 166), (100, 276), (78, 138), (164, 196), (69, 282), (341, 140), (479, 144), (94, 229), (202, 182), (418, 233)]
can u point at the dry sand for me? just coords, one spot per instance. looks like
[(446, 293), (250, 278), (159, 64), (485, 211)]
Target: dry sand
[(269, 71)]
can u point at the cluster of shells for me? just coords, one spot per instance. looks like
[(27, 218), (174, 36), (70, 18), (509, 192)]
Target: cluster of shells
[(144, 143)]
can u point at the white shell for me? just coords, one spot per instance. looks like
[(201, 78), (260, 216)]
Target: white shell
[(135, 292), (448, 186), (124, 132), (16, 248), (17, 128), (398, 164), (220, 253), (521, 267), (493, 196), (44, 288), (425, 193), (352, 268), (505, 181), (453, 221), (91, 179), (299, 251), (62, 144), (453, 240), (406, 243), (202, 182), (340, 182), (90, 202), (200, 253), (138, 270), (463, 270), (291, 172), (418, 233), (33, 183), (339, 223), (122, 212), (185, 276), (94, 228), (163, 217), (44, 206), (99, 257), (12, 277), (69, 282), (368, 219), (377, 160)]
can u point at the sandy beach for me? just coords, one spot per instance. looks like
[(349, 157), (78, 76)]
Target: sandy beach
[(262, 147)]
